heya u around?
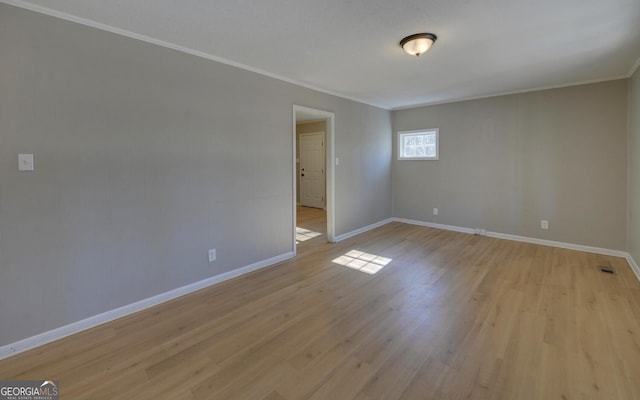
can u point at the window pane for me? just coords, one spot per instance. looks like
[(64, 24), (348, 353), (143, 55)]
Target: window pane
[(431, 151), (418, 145), (431, 138)]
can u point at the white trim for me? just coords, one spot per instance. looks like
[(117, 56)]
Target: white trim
[(488, 96), (330, 150), (108, 316), (331, 178), (400, 147), (634, 266), (525, 239), (497, 235), (294, 183), (183, 49), (634, 68), (434, 225), (123, 32), (562, 245), (363, 229)]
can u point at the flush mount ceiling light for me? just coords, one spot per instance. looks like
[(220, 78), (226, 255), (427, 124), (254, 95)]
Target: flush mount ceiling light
[(418, 43)]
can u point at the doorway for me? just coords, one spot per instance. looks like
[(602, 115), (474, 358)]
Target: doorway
[(321, 160)]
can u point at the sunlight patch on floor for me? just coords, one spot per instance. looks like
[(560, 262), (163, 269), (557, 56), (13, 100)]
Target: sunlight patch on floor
[(303, 235), (363, 262)]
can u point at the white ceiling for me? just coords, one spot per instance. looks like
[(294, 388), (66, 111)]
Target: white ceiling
[(350, 47)]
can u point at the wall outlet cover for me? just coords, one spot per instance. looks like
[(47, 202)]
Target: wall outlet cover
[(25, 162)]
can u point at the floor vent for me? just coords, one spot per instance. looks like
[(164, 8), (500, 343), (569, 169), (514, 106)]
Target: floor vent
[(607, 270)]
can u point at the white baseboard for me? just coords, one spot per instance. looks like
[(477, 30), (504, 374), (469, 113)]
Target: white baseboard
[(562, 245), (434, 225), (87, 323), (498, 235), (633, 265), (362, 230), (75, 327), (525, 239)]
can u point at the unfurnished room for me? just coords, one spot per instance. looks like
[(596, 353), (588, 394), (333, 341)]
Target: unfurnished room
[(270, 200)]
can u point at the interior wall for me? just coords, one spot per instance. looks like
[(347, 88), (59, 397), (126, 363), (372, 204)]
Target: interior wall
[(508, 162), (145, 158), (634, 166), (307, 127)]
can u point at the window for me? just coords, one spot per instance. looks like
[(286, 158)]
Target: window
[(418, 145)]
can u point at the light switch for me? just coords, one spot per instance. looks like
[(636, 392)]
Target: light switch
[(25, 162)]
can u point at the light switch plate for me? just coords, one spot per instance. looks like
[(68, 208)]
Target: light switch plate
[(25, 162)]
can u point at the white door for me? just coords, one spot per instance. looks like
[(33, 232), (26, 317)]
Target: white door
[(312, 183)]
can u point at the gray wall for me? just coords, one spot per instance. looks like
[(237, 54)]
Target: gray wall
[(508, 162), (634, 166), (145, 158)]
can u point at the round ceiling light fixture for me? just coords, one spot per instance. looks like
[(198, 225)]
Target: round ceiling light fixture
[(418, 43)]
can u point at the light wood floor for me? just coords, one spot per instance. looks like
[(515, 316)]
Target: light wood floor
[(313, 219), (451, 316)]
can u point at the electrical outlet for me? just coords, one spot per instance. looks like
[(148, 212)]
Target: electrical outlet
[(212, 255), (544, 224), (435, 211)]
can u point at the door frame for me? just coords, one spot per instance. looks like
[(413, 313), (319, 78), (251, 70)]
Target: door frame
[(324, 165), (330, 118)]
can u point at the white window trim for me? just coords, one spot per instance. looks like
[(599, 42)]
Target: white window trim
[(402, 133)]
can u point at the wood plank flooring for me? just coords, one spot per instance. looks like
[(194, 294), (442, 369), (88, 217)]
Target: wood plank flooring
[(450, 316), (314, 219)]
